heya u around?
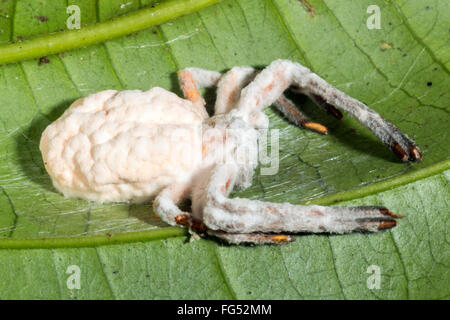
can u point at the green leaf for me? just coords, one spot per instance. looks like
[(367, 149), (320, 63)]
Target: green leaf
[(124, 251)]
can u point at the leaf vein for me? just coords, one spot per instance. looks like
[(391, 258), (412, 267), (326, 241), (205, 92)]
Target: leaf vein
[(402, 263), (335, 267), (104, 273), (417, 38), (222, 272)]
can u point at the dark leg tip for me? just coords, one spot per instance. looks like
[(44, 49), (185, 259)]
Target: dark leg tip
[(415, 154), (400, 152), (387, 224), (386, 212)]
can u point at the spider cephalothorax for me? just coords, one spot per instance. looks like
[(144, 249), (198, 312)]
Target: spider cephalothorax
[(133, 145)]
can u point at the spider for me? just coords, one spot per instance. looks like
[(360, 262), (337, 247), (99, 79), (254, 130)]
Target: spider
[(113, 146)]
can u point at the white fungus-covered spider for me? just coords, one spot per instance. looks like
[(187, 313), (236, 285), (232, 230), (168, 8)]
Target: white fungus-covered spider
[(131, 145)]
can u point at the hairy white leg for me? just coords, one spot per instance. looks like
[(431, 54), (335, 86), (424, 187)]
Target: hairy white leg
[(192, 80), (259, 120), (239, 215), (230, 86), (166, 203), (200, 184), (229, 91), (271, 82)]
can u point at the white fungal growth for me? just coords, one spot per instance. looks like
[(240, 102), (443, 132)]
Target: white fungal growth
[(121, 146)]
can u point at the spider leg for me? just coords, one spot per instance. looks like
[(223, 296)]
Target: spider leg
[(166, 203), (254, 238), (230, 86), (192, 80), (270, 83), (229, 91), (244, 216), (199, 196), (289, 110)]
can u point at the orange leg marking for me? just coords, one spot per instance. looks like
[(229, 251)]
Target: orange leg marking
[(281, 238), (314, 126), (188, 86)]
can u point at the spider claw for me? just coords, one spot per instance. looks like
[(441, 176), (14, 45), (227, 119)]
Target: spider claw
[(414, 154), (386, 211), (398, 150), (375, 224), (374, 218), (388, 224)]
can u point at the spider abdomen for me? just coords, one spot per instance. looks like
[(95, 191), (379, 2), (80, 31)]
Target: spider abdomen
[(119, 146)]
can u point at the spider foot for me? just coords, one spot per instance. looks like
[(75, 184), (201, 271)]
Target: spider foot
[(404, 147), (360, 219), (373, 218), (397, 141)]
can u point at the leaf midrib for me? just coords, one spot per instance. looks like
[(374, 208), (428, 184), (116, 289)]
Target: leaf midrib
[(99, 32)]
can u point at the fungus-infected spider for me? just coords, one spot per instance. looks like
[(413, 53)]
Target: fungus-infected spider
[(119, 146)]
